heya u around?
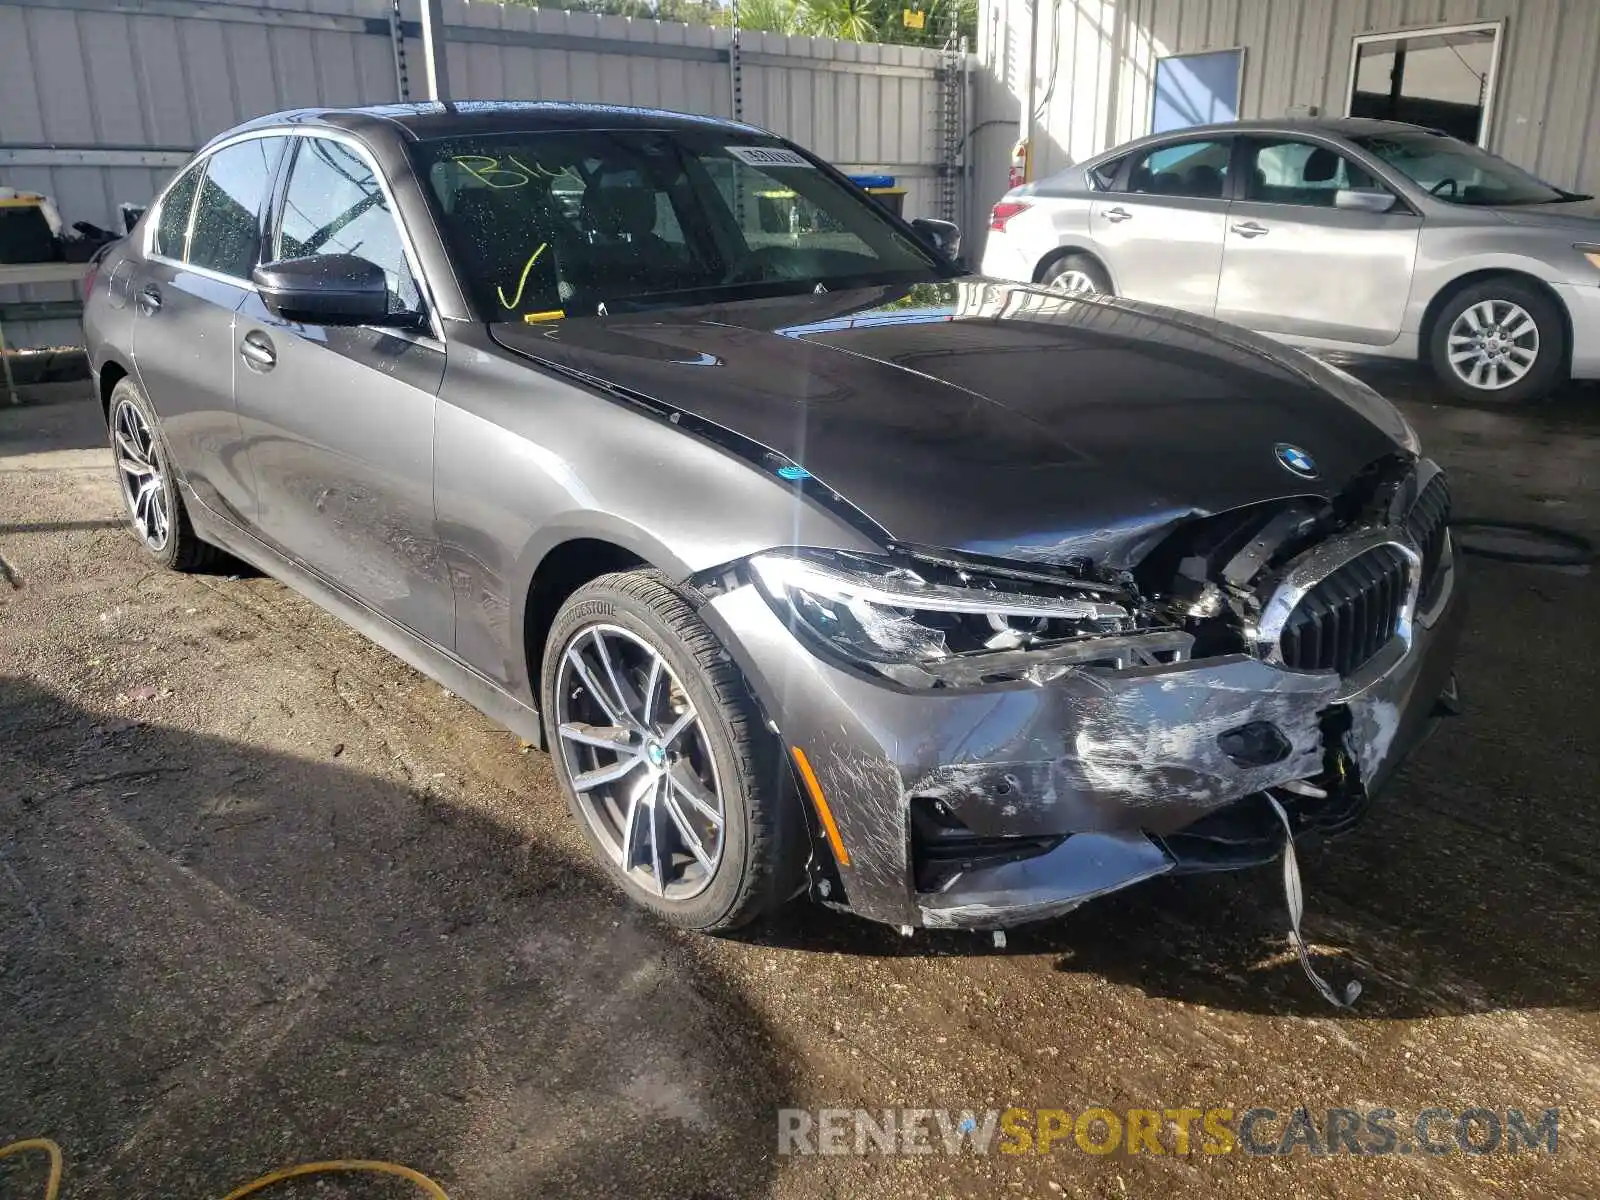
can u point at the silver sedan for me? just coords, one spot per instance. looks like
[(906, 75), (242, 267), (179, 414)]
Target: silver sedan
[(1369, 237)]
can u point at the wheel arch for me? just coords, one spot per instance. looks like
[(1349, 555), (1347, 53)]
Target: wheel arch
[(1459, 284), (1069, 248), (561, 570), (112, 372)]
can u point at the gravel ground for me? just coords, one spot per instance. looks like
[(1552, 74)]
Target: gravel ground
[(268, 896)]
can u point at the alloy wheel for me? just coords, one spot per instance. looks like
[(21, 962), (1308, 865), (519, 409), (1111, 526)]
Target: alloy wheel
[(639, 761), (1492, 344), (1073, 282), (139, 470)]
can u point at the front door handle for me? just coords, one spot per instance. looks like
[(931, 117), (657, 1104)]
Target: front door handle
[(1118, 214), (149, 300), (1250, 229), (257, 351)]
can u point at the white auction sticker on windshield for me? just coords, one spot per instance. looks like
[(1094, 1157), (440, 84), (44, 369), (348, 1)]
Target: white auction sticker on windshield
[(768, 156)]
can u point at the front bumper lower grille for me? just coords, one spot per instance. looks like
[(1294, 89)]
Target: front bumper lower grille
[(1350, 615)]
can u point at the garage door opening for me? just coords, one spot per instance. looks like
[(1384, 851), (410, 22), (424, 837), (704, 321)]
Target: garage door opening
[(1442, 78)]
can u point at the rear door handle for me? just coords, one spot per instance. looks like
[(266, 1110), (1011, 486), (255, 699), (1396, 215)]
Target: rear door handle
[(257, 351), (1118, 214), (1250, 229), (149, 300)]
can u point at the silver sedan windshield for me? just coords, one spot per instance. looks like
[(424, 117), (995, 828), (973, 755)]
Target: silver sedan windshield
[(1456, 172)]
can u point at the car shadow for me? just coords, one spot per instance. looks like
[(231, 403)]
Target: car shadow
[(222, 959)]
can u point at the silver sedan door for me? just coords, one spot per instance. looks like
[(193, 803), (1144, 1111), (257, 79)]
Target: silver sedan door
[(1162, 233), (1294, 263)]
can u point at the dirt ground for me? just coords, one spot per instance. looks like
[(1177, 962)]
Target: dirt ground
[(269, 896)]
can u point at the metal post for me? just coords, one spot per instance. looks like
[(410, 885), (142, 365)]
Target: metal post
[(735, 68), (397, 41), (1030, 80), (433, 51)]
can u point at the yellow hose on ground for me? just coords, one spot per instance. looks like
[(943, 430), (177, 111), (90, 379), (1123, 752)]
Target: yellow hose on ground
[(53, 1184), (355, 1165)]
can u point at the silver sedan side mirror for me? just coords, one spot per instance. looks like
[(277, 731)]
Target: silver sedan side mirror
[(1354, 201)]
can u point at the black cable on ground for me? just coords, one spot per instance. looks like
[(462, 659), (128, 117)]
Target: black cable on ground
[(1476, 536)]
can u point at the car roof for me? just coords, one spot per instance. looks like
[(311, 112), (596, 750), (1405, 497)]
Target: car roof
[(1345, 127), (423, 121)]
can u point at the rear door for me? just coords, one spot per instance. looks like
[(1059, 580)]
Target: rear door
[(1294, 264), (1162, 231), (340, 418), (203, 245)]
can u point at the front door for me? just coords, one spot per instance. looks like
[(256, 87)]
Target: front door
[(1294, 264), (339, 419), (193, 279), (1161, 232)]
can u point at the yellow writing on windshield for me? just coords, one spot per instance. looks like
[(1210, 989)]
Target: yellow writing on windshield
[(488, 171), (522, 283)]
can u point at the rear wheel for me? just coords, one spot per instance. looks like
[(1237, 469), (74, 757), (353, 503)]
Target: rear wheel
[(156, 514), (1499, 341), (1076, 275), (663, 757)]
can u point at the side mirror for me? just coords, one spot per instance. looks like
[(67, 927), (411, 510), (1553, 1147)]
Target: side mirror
[(943, 236), (1369, 202), (326, 289)]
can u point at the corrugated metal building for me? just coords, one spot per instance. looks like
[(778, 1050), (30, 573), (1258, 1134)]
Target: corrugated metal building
[(1533, 66)]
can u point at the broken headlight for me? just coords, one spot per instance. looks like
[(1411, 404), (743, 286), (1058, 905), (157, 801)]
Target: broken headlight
[(902, 615)]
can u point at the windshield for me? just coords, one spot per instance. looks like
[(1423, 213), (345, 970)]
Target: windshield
[(543, 225), (1458, 173)]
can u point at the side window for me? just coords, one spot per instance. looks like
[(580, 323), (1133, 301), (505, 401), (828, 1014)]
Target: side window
[(1196, 169), (1103, 178), (172, 224), (335, 205), (226, 234), (1300, 173)]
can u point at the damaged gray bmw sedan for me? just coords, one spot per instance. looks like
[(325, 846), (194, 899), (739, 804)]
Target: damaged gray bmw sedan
[(816, 562)]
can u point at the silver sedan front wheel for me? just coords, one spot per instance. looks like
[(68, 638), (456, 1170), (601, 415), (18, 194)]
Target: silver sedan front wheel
[(1502, 340), (637, 756), (1493, 344)]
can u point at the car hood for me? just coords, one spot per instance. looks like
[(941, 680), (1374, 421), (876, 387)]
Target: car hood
[(988, 417), (1580, 217)]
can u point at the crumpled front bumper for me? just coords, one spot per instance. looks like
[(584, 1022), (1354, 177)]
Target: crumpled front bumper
[(1110, 761)]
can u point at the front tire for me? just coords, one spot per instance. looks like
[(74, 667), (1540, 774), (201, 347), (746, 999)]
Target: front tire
[(1500, 342), (663, 756), (156, 515)]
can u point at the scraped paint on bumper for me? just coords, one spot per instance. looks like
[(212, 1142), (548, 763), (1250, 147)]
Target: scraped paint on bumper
[(1111, 762)]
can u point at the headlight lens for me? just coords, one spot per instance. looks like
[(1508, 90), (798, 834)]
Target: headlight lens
[(887, 614)]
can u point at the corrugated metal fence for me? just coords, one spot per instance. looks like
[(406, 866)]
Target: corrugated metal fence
[(101, 99)]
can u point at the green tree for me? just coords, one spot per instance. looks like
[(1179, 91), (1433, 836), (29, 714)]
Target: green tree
[(847, 20), (769, 16)]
